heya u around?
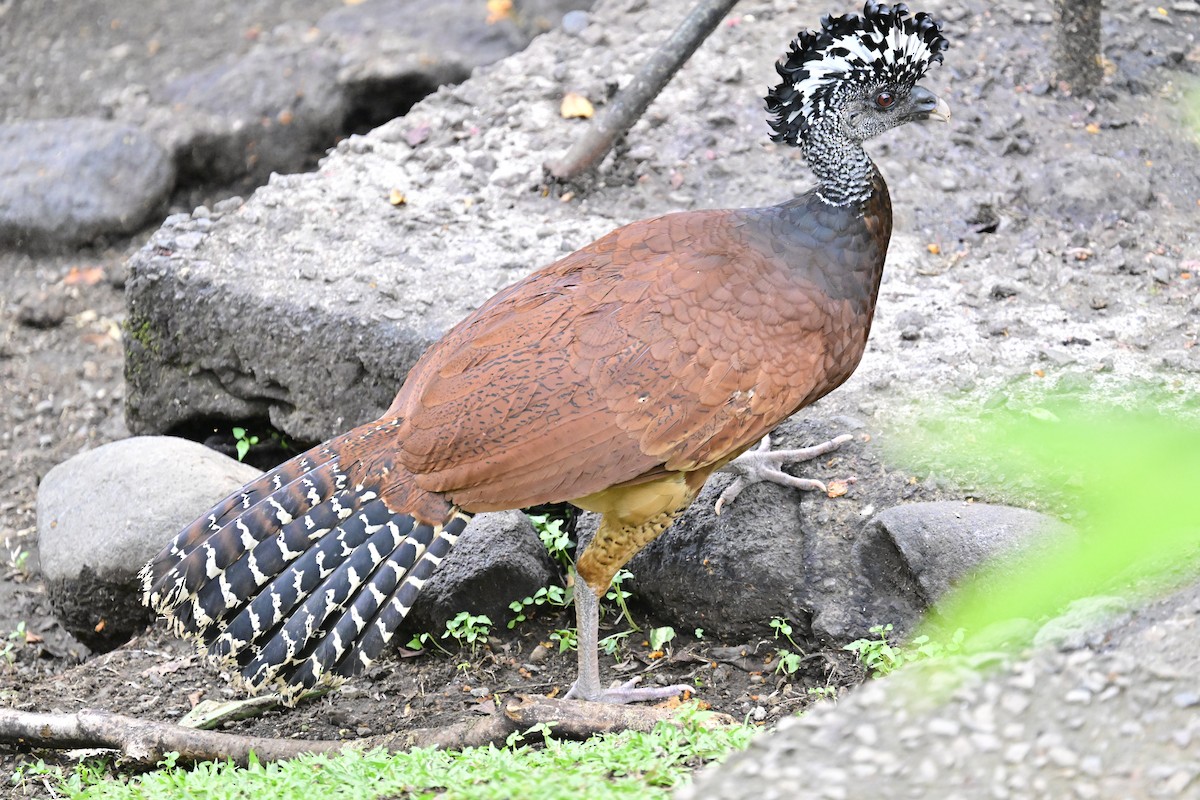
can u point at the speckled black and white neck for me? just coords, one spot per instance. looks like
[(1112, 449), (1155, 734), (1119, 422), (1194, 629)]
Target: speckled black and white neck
[(843, 169)]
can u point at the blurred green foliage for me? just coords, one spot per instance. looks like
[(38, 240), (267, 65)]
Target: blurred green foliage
[(1127, 479)]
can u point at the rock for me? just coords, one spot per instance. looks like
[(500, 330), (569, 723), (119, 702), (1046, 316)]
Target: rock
[(65, 182), (104, 513), (46, 308), (1084, 623), (811, 559), (909, 556), (1117, 718), (394, 53), (775, 551), (324, 343), (499, 558), (274, 110)]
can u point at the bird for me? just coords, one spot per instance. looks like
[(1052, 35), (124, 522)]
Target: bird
[(617, 379)]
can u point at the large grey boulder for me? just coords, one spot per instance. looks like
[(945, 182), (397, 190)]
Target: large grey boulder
[(308, 304), (909, 557), (1115, 716), (65, 182), (104, 513)]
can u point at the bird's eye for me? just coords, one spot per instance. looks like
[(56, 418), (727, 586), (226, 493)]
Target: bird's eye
[(885, 99)]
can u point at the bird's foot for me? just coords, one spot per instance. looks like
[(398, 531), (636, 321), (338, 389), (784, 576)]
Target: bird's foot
[(628, 692), (763, 464)]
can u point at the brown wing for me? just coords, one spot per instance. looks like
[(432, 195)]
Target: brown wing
[(669, 344)]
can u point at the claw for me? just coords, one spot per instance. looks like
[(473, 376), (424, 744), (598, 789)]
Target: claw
[(761, 464)]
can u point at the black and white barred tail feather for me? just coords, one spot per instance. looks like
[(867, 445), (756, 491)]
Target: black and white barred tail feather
[(298, 578), (194, 556)]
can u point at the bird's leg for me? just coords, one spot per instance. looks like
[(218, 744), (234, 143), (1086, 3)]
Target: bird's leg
[(763, 464), (632, 517), (587, 684)]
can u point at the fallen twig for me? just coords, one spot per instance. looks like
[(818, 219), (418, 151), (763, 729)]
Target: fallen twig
[(146, 742), (631, 101)]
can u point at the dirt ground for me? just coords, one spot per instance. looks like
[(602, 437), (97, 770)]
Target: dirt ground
[(61, 384)]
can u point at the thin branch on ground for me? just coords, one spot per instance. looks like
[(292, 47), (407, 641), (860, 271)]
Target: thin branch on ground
[(146, 742), (631, 101)]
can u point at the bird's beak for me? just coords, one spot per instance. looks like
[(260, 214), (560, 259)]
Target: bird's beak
[(927, 105), (940, 111)]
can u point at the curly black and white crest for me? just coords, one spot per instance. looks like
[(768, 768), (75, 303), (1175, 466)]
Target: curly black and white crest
[(884, 46)]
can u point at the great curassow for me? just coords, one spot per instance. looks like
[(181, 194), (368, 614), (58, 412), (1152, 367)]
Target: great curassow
[(618, 379)]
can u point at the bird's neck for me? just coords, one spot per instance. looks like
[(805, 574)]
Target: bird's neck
[(844, 170)]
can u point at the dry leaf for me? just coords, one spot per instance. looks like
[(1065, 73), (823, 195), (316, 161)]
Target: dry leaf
[(99, 626), (87, 276), (836, 488), (575, 105), (498, 10), (167, 667), (396, 197), (33, 638)]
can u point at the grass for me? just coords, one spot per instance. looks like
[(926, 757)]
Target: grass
[(625, 765)]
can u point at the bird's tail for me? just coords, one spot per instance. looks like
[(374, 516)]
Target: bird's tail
[(301, 576)]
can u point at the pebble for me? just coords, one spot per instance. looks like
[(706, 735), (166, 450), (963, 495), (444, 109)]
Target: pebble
[(43, 309), (574, 22)]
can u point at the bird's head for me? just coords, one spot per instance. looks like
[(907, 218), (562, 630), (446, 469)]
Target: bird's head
[(858, 73)]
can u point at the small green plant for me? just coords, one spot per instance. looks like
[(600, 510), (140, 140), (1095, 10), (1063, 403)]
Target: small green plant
[(661, 637), (556, 541), (422, 641), (614, 642), (468, 629), (17, 636), (243, 442), (548, 595), (783, 628), (878, 654), (882, 657), (786, 661), (18, 559), (823, 692), (517, 737), (617, 593), (567, 638), (699, 633)]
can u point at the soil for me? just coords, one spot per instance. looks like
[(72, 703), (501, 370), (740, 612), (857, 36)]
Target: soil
[(1002, 204)]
